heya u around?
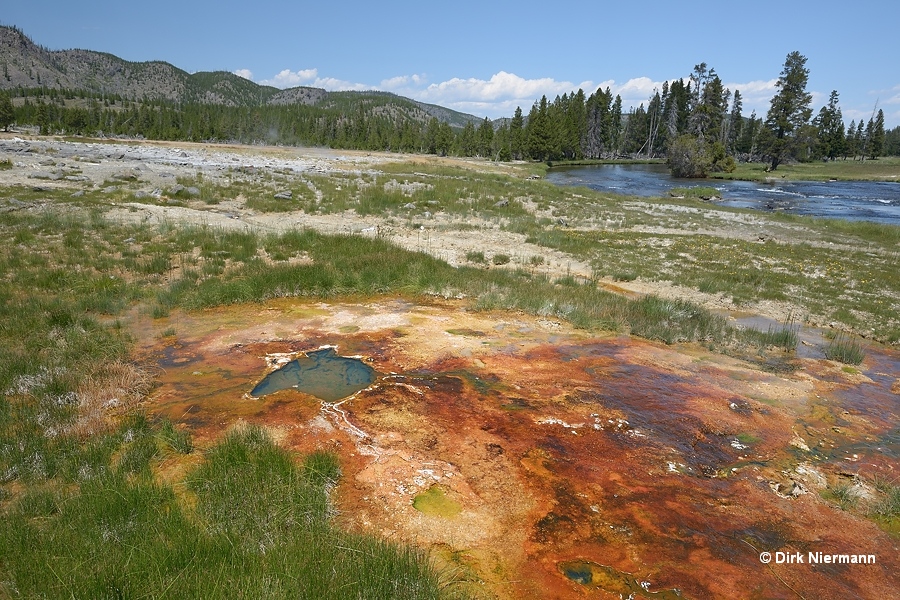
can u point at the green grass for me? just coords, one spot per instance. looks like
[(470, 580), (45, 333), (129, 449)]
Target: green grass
[(785, 337), (884, 168), (842, 494), (69, 276), (703, 192), (83, 511), (845, 349), (886, 509), (260, 527), (476, 256)]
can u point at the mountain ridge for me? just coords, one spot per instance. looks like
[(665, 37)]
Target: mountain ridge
[(26, 64)]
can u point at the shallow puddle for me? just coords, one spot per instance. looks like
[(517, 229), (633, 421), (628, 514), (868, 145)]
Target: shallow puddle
[(321, 373), (593, 575)]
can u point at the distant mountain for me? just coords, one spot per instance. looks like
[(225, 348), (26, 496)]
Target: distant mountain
[(25, 64)]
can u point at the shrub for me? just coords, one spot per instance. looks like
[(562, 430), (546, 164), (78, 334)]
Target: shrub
[(687, 157), (476, 257)]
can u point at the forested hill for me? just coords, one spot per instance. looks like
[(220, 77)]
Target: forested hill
[(695, 123), (28, 66)]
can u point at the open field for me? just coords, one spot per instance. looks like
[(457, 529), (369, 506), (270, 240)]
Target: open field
[(524, 332)]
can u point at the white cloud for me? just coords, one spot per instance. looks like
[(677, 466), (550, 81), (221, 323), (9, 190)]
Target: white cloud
[(895, 98), (245, 73), (288, 78), (335, 85), (402, 82), (497, 96), (855, 114), (755, 95), (309, 78)]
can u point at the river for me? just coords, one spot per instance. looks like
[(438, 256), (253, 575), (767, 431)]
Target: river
[(877, 201)]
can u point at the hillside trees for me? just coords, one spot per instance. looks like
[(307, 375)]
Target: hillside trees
[(789, 110), (7, 113), (572, 126)]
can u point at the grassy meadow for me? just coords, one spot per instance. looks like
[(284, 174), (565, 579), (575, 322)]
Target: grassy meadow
[(85, 513)]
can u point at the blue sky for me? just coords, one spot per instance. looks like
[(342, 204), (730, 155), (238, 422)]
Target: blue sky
[(486, 58)]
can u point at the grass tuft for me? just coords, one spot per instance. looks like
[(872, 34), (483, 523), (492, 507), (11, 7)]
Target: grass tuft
[(845, 349)]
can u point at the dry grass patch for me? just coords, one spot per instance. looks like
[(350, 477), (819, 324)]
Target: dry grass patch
[(106, 394)]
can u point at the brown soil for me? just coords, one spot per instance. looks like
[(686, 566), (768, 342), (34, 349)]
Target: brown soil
[(672, 465)]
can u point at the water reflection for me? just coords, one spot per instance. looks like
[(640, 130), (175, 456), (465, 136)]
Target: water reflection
[(858, 200), (321, 373)]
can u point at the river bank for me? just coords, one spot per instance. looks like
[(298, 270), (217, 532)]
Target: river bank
[(880, 169)]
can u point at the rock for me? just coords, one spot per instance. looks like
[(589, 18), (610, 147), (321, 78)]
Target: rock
[(175, 189), (12, 204), (192, 191), (409, 205), (45, 175), (502, 203), (140, 194), (77, 178), (285, 195), (78, 194), (109, 189)]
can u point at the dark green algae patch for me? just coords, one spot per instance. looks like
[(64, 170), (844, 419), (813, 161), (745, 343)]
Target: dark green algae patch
[(320, 373)]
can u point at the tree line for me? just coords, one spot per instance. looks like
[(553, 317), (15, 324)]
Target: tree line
[(695, 123)]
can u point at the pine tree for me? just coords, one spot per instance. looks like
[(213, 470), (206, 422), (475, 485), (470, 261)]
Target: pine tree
[(8, 114), (615, 126), (830, 128), (516, 135), (538, 130), (789, 110), (850, 141), (747, 143), (466, 142), (485, 138), (876, 147), (735, 123), (869, 136), (431, 136)]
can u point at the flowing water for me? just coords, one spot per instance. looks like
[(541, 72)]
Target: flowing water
[(877, 201)]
